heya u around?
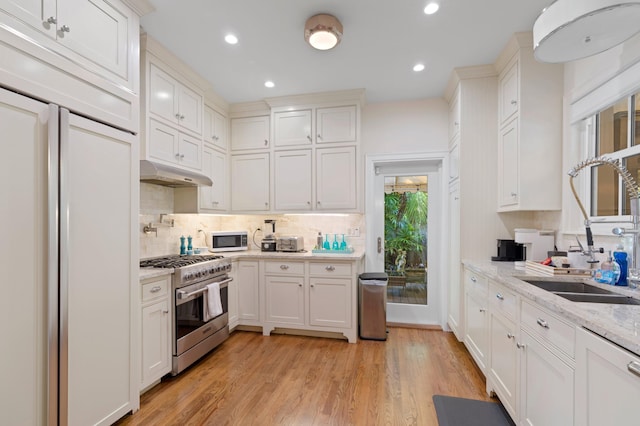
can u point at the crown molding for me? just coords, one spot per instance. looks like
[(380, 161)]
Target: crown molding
[(466, 73)]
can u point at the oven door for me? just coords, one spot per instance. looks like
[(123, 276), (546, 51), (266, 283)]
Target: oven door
[(190, 324)]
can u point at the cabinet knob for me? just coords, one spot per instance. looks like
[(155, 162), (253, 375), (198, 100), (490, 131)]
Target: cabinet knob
[(312, 285), (65, 29), (514, 102), (318, 202), (52, 20), (165, 311), (510, 336), (520, 345), (181, 156), (319, 136), (177, 155), (309, 203), (178, 116), (474, 279), (513, 194), (309, 137), (499, 296), (285, 267), (483, 310), (542, 323), (330, 268), (181, 117), (266, 142), (455, 123), (299, 284), (266, 204)]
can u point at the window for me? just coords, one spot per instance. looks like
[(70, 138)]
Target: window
[(617, 136)]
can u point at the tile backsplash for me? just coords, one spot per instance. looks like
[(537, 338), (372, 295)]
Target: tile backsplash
[(156, 200)]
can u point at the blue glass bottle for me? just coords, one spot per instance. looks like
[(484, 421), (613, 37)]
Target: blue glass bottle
[(183, 249), (620, 257)]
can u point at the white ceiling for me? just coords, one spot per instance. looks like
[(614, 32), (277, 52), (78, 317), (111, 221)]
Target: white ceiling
[(382, 42)]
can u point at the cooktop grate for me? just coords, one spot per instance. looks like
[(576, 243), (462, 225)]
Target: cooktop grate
[(177, 261)]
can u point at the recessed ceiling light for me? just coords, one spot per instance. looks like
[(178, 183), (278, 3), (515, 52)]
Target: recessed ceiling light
[(231, 39), (269, 84), (418, 67), (431, 8)]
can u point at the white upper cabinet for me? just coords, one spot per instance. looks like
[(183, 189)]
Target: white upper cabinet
[(292, 128), (454, 115), (292, 180), (336, 124), (214, 165), (174, 102), (336, 178), (172, 146), (250, 182), (250, 133), (529, 129), (215, 128)]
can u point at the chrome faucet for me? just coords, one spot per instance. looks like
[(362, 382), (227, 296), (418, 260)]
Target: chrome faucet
[(634, 196)]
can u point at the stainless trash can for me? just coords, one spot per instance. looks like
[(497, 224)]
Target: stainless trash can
[(372, 307)]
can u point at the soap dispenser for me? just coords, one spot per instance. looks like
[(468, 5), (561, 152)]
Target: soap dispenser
[(620, 256)]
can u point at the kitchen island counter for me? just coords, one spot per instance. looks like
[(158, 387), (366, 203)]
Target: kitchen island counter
[(617, 323)]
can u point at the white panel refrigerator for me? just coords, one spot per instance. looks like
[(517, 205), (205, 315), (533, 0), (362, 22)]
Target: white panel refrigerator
[(69, 267)]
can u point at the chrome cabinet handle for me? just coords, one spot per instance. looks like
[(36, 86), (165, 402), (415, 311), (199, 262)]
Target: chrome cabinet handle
[(330, 268), (65, 29), (634, 367), (510, 336), (474, 279), (379, 244), (266, 142), (165, 311), (514, 102), (483, 310), (520, 345), (499, 296), (52, 20), (156, 289), (513, 194), (284, 267), (542, 323), (309, 137)]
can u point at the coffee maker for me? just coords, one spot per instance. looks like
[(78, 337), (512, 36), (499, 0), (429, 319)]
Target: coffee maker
[(509, 251), (269, 241)]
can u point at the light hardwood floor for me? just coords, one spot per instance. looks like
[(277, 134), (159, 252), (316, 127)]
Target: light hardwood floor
[(292, 380)]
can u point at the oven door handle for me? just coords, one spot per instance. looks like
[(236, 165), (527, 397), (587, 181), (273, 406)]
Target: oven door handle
[(185, 295)]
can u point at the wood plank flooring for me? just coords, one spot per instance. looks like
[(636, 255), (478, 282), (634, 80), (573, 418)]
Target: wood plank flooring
[(293, 380)]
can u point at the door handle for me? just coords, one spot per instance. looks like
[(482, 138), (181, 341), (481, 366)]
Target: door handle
[(379, 245)]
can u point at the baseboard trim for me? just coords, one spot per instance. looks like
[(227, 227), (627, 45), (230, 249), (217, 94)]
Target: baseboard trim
[(408, 325)]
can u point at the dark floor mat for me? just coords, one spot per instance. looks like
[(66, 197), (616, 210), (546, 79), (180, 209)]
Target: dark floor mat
[(454, 411)]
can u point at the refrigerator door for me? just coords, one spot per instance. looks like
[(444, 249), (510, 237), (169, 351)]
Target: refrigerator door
[(24, 261), (98, 272)]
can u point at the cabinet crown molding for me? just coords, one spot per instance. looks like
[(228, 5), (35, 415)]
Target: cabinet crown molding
[(141, 7), (356, 96), (517, 42), (249, 109), (466, 73)]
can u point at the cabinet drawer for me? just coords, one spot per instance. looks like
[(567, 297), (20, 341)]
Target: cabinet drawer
[(549, 327), (502, 300), (330, 269), (284, 268), (475, 283), (155, 289)]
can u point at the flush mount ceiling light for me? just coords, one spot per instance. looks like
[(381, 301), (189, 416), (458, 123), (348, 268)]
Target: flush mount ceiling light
[(573, 29), (431, 8), (323, 32)]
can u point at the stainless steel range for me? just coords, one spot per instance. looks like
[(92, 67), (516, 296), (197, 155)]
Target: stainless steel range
[(195, 332)]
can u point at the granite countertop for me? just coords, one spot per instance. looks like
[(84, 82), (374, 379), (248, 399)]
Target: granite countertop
[(617, 323)]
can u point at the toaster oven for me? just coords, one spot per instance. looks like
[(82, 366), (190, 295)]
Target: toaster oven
[(291, 244)]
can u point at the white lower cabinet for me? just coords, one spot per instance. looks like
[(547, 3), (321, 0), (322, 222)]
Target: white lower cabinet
[(248, 284), (607, 382), (232, 294), (476, 317), (156, 330), (502, 377), (546, 385), (312, 296)]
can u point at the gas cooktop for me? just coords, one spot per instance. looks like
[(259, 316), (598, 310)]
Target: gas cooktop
[(177, 261)]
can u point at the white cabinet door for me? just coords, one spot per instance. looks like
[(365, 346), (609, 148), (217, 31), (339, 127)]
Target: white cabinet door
[(292, 128), (454, 115), (248, 282), (292, 180), (98, 30), (476, 328), (508, 167), (336, 178), (156, 347), (330, 302), (454, 160), (174, 102), (214, 165), (215, 128), (189, 151), (171, 146), (503, 372), (336, 124), (39, 14), (508, 89), (232, 295), (607, 382), (546, 386), (284, 300), (250, 182), (455, 293), (250, 133)]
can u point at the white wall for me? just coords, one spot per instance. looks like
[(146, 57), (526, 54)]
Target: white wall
[(405, 127)]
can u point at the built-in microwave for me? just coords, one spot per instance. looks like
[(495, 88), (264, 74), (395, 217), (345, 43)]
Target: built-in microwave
[(229, 241)]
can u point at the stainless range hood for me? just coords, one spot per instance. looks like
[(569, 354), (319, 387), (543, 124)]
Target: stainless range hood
[(160, 174)]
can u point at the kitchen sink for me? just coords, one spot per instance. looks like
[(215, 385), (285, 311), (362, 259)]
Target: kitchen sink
[(581, 292), (615, 299), (569, 287)]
